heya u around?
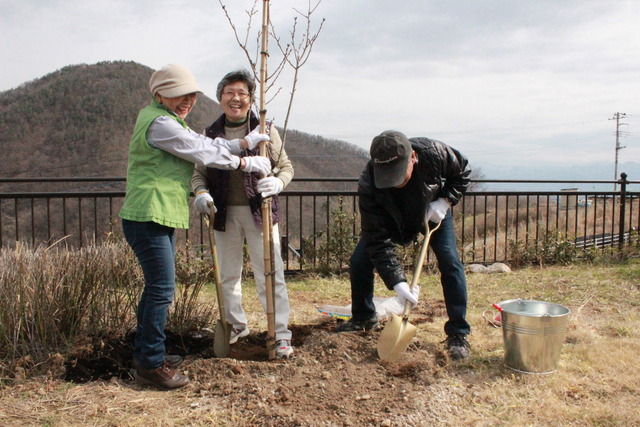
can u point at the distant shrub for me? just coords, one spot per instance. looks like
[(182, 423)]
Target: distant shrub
[(332, 254), (52, 298), (554, 248)]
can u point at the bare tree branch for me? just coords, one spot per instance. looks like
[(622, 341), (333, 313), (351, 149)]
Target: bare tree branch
[(244, 44), (295, 53)]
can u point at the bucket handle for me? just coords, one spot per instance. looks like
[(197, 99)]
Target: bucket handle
[(495, 321)]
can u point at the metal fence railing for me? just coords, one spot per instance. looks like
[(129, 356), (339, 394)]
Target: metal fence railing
[(491, 225)]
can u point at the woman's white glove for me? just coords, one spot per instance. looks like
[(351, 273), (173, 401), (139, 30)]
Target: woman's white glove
[(259, 164), (405, 294), (254, 138), (270, 186), (203, 202), (437, 210)]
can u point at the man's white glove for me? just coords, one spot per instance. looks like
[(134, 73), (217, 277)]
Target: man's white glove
[(270, 186), (259, 164), (437, 210), (405, 294), (203, 201), (254, 138)]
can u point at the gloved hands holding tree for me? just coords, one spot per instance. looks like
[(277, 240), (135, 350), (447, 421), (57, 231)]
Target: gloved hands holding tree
[(254, 138), (270, 186), (203, 201), (405, 294), (261, 165), (437, 210)]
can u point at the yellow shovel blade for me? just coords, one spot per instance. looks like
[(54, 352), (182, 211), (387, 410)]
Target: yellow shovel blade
[(395, 338)]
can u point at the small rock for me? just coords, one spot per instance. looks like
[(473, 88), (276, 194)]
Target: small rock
[(475, 268), (498, 267)]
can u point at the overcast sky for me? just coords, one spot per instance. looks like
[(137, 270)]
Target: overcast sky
[(506, 82)]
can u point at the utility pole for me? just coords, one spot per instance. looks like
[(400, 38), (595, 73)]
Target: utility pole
[(617, 117)]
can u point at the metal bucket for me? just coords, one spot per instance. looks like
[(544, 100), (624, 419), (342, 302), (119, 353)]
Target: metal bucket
[(533, 333)]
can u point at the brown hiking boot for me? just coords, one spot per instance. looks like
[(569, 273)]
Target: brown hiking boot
[(173, 360), (162, 377)]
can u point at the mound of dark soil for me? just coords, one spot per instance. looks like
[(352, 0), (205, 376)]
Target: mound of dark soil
[(332, 379)]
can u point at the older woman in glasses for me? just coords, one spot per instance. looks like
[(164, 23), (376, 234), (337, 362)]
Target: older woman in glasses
[(237, 196)]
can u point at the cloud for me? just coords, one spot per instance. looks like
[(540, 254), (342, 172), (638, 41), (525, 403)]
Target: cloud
[(514, 82)]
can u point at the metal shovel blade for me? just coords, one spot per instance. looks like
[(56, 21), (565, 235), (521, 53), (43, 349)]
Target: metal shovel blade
[(398, 333), (221, 337), (395, 338)]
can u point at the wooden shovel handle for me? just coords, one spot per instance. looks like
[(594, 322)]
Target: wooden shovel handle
[(419, 262), (209, 220)]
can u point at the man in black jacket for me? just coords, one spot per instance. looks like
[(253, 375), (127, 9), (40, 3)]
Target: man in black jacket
[(405, 182)]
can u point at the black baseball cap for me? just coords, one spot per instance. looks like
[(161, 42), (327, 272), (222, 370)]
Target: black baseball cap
[(390, 153)]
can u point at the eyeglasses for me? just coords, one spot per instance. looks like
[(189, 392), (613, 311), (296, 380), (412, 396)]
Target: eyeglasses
[(231, 94)]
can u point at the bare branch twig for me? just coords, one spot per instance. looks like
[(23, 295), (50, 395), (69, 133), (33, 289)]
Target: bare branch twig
[(295, 53)]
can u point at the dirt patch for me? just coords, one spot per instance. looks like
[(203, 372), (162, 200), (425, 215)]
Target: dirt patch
[(332, 379)]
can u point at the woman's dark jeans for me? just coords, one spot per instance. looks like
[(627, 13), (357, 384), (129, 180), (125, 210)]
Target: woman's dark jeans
[(154, 246), (454, 283)]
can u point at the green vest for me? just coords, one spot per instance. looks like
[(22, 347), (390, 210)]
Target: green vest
[(158, 183)]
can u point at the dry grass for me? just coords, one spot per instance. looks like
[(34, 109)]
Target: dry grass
[(55, 300), (491, 227), (51, 296), (597, 382)]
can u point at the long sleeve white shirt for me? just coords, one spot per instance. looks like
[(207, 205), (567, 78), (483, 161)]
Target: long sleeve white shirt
[(168, 135)]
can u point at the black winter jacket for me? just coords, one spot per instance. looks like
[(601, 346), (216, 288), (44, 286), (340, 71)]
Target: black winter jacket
[(394, 216)]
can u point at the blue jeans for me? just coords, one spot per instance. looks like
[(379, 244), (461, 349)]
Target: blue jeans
[(154, 246), (454, 283)]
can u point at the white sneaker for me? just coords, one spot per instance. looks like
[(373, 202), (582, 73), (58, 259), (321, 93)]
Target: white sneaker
[(236, 334), (283, 349)]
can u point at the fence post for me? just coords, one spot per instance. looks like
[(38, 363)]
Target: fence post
[(623, 203)]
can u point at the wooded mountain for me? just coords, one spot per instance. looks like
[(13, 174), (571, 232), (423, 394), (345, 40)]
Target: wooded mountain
[(77, 122)]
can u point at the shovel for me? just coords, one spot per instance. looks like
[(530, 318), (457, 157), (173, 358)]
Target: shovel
[(398, 333), (222, 332)]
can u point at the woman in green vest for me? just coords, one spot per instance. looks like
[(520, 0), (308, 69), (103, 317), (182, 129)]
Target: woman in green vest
[(162, 154)]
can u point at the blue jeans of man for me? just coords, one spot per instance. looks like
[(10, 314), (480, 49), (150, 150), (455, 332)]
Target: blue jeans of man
[(154, 246), (452, 277)]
